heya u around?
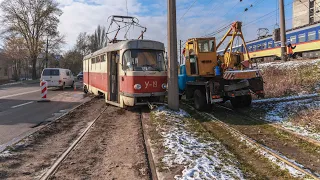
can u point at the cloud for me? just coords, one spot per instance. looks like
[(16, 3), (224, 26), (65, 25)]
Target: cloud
[(202, 18)]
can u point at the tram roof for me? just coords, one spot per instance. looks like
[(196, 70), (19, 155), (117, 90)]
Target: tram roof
[(129, 44)]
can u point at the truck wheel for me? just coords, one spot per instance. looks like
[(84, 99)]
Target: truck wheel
[(241, 101), (247, 100), (200, 102), (236, 102)]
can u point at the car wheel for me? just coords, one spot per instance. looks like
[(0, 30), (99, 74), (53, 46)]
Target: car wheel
[(63, 86)]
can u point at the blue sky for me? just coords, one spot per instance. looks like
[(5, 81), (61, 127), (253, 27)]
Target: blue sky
[(203, 17)]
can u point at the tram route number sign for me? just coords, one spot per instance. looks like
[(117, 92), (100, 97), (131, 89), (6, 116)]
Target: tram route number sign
[(151, 84)]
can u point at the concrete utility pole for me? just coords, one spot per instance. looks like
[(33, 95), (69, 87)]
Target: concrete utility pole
[(282, 31), (173, 91)]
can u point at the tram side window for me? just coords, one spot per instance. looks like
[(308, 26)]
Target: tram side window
[(250, 48), (302, 38), (93, 61), (293, 39), (311, 35), (270, 44), (319, 34), (254, 47), (264, 46), (103, 58)]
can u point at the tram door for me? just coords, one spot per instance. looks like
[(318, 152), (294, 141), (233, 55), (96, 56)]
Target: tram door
[(114, 76)]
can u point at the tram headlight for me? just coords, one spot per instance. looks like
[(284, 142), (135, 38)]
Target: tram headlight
[(164, 86), (137, 86)]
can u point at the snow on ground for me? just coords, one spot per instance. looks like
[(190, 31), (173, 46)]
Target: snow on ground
[(280, 112), (201, 159), (5, 153), (290, 64)]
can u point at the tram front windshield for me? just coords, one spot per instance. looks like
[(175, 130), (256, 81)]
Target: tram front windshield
[(143, 60)]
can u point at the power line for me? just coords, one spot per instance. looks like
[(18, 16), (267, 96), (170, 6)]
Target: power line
[(222, 28), (187, 10), (223, 16), (266, 15)]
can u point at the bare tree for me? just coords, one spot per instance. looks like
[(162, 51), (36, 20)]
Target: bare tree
[(16, 55), (99, 39), (33, 20), (82, 44), (72, 60)]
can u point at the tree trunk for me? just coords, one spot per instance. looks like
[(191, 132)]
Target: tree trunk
[(34, 67)]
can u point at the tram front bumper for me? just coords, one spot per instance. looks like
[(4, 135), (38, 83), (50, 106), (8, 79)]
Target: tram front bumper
[(132, 99)]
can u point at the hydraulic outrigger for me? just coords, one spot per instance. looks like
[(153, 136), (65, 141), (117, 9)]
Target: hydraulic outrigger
[(209, 78)]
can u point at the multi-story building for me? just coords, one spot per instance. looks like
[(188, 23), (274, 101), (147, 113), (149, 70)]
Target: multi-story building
[(305, 12)]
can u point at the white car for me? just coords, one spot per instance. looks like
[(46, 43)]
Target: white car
[(57, 77)]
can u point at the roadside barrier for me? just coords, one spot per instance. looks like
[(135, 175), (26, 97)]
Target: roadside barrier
[(44, 91)]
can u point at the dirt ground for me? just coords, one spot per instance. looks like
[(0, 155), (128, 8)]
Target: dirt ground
[(112, 149), (30, 158)]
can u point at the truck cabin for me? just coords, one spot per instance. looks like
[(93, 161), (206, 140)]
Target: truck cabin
[(201, 56)]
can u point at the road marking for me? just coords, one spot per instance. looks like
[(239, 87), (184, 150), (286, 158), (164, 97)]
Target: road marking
[(22, 104), (2, 97)]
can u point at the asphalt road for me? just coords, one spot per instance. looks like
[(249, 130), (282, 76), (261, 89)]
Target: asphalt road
[(21, 113)]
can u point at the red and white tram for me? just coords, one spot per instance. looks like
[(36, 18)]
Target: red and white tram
[(127, 73)]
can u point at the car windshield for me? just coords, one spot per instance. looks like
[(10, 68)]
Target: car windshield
[(50, 72), (143, 60)]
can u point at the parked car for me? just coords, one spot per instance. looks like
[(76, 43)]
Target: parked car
[(80, 76), (57, 77)]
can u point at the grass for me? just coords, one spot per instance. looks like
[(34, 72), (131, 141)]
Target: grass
[(291, 81), (309, 118)]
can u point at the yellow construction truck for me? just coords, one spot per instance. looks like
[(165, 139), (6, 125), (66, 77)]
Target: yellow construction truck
[(209, 77)]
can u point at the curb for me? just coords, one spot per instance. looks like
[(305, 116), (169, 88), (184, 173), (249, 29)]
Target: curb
[(153, 169)]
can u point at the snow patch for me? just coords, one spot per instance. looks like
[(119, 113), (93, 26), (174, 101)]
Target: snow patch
[(5, 154), (303, 131), (280, 112), (289, 64), (201, 159)]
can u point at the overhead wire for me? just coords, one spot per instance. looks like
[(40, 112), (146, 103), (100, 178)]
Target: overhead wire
[(184, 14), (223, 16), (225, 26), (266, 15), (187, 11)]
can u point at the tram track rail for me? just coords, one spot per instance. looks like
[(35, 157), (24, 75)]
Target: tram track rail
[(253, 142), (58, 162), (277, 126), (147, 152)]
